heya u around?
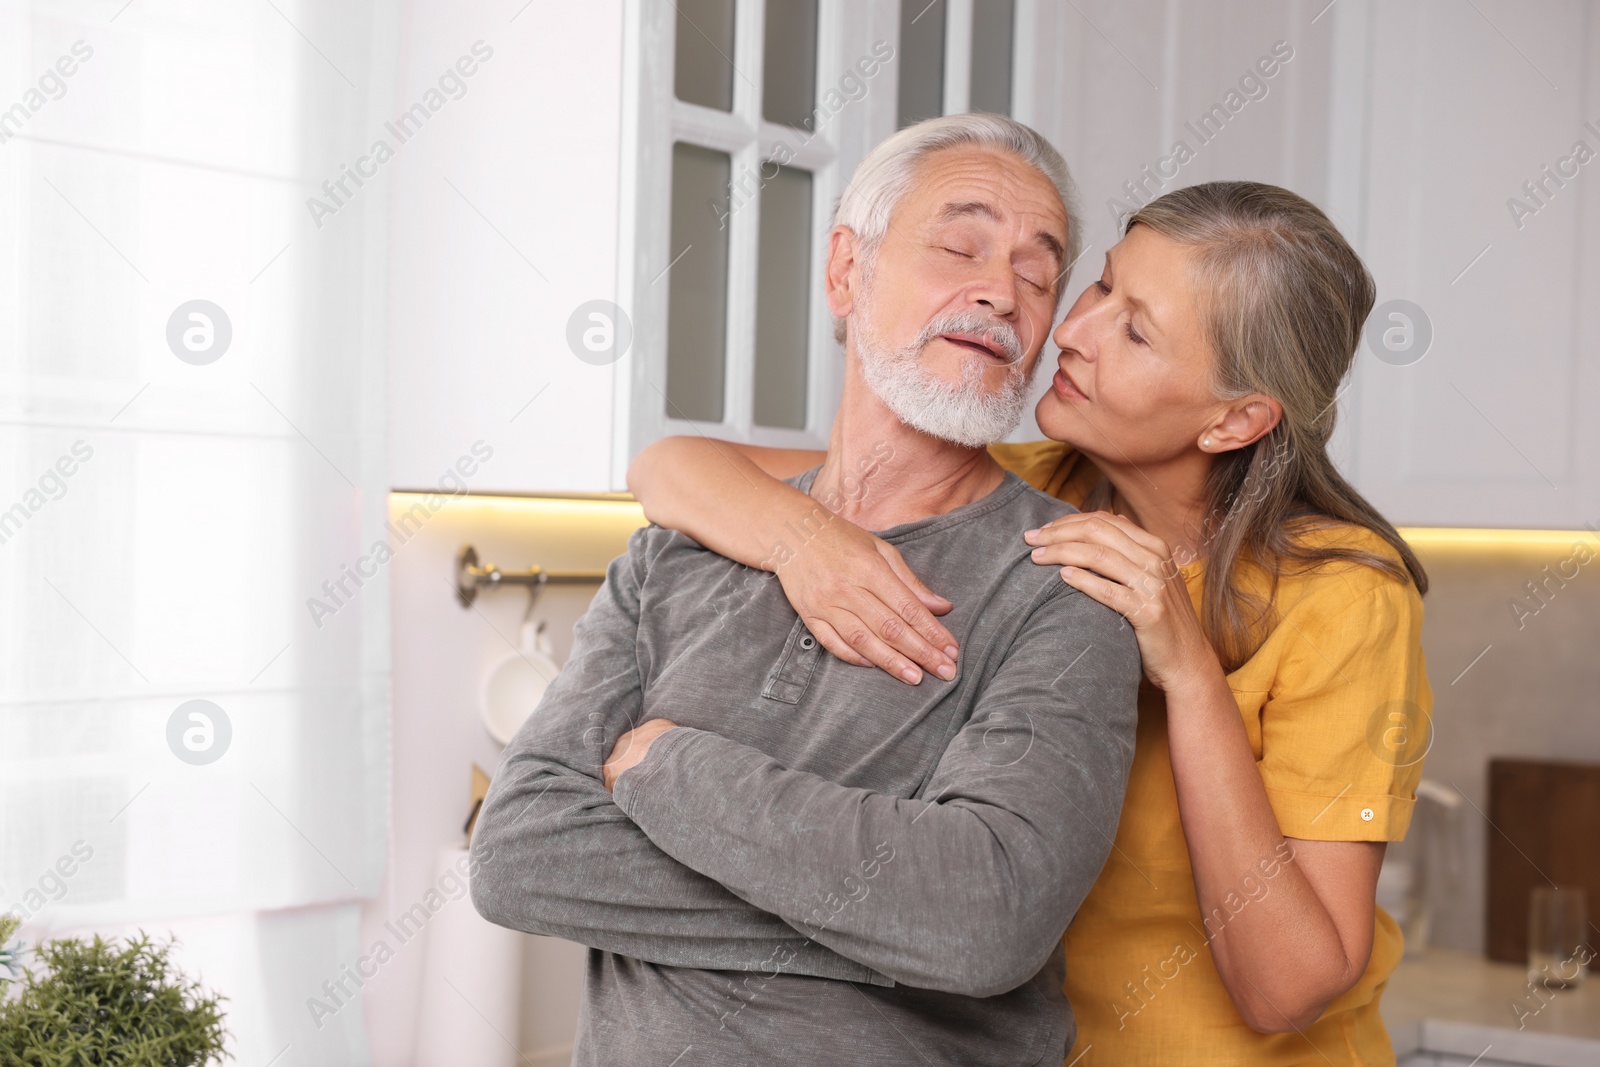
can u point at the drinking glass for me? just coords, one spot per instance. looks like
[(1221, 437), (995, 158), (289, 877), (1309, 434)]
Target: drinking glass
[(1557, 941)]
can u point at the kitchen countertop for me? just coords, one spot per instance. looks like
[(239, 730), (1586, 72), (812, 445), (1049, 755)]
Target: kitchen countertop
[(1459, 1004)]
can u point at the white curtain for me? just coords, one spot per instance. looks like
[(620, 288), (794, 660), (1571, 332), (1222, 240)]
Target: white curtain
[(166, 513)]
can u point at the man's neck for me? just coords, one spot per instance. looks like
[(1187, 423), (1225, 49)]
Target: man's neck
[(881, 473)]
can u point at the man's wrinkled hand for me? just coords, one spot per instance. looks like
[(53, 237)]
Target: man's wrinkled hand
[(631, 748)]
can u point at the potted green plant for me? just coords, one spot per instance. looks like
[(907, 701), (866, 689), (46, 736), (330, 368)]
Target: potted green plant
[(101, 1002)]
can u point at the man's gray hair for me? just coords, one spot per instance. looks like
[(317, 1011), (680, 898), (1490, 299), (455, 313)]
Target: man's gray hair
[(890, 170)]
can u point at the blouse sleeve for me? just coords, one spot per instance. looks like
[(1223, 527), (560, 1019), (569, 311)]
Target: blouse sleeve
[(1350, 717), (1052, 467)]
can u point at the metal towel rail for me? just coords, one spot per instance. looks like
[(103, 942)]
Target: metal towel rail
[(470, 577)]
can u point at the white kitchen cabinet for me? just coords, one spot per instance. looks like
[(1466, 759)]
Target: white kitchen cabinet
[(1133, 80), (741, 121), (503, 221), (1411, 125), (1445, 112), (730, 339), (548, 187)]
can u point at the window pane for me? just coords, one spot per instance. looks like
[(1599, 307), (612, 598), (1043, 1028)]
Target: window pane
[(783, 289), (697, 303), (991, 55), (789, 79), (703, 57), (921, 61)]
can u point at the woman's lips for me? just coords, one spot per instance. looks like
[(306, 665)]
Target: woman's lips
[(1064, 387)]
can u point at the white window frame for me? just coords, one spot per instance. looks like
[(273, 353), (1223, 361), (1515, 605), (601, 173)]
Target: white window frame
[(653, 119), (1035, 38)]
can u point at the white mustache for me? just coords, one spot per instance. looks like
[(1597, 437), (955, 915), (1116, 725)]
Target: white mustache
[(1002, 334)]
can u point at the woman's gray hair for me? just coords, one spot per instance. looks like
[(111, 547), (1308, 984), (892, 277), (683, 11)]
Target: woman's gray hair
[(1283, 299), (890, 170)]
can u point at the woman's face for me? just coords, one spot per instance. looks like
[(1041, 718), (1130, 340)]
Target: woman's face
[(1134, 384)]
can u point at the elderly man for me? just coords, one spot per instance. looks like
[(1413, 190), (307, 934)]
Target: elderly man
[(778, 857)]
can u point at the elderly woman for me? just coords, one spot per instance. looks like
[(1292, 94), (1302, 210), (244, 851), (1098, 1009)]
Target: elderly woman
[(1277, 613)]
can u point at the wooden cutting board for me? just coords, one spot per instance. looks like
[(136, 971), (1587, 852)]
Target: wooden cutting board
[(1545, 827)]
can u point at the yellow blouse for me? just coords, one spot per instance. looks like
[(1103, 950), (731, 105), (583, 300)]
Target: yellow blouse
[(1336, 703)]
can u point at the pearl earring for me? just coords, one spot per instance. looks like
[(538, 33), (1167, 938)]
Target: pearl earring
[(1205, 442)]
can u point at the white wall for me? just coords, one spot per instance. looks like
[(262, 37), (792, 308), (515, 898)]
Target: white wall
[(441, 654), (503, 220), (1503, 690)]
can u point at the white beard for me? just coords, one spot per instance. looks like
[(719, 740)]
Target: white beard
[(967, 412)]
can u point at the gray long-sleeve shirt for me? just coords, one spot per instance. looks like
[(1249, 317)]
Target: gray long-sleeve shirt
[(824, 864)]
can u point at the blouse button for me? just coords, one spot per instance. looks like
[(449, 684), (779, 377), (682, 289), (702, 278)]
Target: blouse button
[(1366, 814), (808, 643)]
